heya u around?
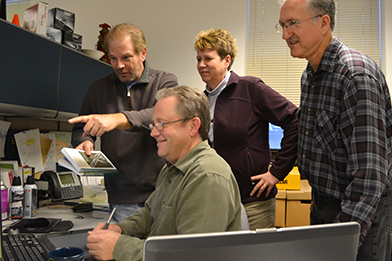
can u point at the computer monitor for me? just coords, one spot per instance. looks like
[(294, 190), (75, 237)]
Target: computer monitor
[(328, 242), (275, 136)]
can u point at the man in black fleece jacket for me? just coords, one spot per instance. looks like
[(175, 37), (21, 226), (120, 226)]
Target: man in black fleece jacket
[(118, 108)]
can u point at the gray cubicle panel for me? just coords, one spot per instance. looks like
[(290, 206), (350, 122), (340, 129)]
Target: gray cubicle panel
[(42, 78), (78, 72), (29, 68)]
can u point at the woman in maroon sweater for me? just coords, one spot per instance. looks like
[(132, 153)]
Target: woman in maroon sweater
[(241, 110)]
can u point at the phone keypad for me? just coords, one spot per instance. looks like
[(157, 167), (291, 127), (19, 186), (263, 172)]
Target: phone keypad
[(72, 192)]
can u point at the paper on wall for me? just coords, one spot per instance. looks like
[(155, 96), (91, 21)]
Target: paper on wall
[(4, 126), (48, 148), (64, 136), (9, 169), (29, 149), (59, 145)]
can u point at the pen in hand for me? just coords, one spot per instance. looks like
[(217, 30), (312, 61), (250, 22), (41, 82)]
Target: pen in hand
[(109, 219)]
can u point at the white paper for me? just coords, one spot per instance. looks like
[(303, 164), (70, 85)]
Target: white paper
[(29, 149), (50, 161), (4, 126), (7, 167)]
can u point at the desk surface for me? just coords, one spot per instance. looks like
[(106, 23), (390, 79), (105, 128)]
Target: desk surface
[(81, 220)]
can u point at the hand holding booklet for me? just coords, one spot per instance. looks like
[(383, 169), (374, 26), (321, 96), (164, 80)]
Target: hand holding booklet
[(79, 162)]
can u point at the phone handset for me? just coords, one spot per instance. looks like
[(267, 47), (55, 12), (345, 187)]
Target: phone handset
[(63, 185), (53, 184)]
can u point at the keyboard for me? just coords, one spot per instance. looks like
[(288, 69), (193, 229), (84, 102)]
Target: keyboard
[(23, 247)]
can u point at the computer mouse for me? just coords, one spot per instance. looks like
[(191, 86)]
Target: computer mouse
[(36, 222)]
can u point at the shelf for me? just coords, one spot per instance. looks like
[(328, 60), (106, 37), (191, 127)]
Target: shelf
[(42, 78)]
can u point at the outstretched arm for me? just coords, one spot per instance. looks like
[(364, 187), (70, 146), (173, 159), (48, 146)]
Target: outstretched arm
[(98, 124)]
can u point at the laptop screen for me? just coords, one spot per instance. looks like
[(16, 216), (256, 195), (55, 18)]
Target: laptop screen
[(318, 242)]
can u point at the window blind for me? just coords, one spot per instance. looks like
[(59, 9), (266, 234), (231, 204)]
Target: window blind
[(268, 57)]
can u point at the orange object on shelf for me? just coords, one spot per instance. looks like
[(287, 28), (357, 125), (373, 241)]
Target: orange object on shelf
[(15, 20)]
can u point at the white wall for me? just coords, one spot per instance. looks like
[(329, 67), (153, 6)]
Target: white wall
[(386, 27), (16, 9), (170, 27)]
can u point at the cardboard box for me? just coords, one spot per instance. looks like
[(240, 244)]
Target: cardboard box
[(72, 40), (298, 205), (292, 180), (36, 17), (54, 34), (280, 217), (61, 19)]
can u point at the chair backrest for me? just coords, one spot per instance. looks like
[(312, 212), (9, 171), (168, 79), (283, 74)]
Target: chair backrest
[(244, 219)]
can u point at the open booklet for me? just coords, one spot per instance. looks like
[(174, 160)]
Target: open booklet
[(80, 163)]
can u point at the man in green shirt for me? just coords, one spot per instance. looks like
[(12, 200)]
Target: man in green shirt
[(196, 191)]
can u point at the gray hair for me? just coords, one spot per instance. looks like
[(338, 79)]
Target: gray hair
[(191, 102), (327, 7), (316, 7)]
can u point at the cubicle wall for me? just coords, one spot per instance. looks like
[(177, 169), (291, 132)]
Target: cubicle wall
[(42, 78), (78, 71)]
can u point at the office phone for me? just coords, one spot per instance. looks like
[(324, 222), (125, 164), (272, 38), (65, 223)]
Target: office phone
[(63, 185)]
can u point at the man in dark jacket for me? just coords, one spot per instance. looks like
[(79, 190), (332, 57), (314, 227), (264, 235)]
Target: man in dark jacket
[(117, 108)]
